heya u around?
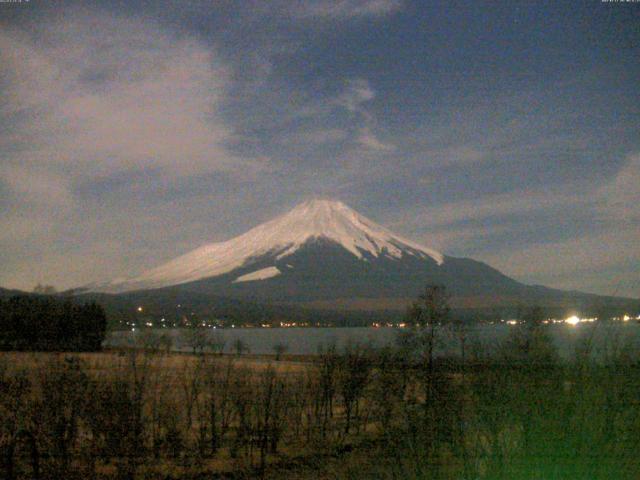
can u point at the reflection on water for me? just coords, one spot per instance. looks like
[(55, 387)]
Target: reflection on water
[(606, 337)]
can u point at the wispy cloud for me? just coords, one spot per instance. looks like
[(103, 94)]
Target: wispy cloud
[(95, 100), (491, 207), (357, 92), (459, 155), (350, 106), (315, 137), (451, 239), (345, 9), (609, 246), (102, 96), (368, 140), (573, 258), (619, 199)]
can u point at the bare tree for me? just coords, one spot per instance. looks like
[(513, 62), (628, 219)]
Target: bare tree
[(267, 416), (327, 367), (240, 346), (192, 381), (195, 337), (166, 343), (133, 392), (529, 343), (427, 316), (15, 408), (390, 379), (353, 376), (280, 349), (217, 342), (64, 386), (460, 330)]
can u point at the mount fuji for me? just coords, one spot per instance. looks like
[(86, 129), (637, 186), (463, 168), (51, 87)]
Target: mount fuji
[(324, 255), (316, 223)]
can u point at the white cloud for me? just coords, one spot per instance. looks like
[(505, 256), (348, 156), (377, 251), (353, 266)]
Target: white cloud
[(315, 137), (581, 262), (93, 101), (450, 239), (357, 92), (620, 197), (345, 9), (368, 139), (455, 155), (38, 184), (617, 200), (571, 257), (491, 206), (98, 96)]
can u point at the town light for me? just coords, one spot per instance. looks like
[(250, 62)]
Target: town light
[(573, 320)]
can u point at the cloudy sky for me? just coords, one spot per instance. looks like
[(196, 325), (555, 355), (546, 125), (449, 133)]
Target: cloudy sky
[(131, 131)]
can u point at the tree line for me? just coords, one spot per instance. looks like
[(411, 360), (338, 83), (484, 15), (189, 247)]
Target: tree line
[(49, 323)]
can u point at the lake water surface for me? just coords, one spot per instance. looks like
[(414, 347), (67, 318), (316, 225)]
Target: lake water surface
[(305, 341)]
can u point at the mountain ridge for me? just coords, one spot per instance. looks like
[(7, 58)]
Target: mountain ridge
[(324, 255)]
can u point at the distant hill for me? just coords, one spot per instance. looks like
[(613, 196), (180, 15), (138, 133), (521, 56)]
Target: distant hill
[(4, 292)]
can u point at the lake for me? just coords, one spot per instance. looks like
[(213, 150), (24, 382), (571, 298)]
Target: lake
[(305, 341)]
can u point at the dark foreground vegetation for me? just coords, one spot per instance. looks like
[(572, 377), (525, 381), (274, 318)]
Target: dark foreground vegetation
[(49, 323), (514, 412), (508, 411)]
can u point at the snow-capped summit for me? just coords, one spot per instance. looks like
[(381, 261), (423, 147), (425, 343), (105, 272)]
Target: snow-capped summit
[(326, 220), (334, 221)]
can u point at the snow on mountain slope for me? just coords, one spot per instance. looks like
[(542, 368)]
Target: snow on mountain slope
[(330, 220), (261, 274)]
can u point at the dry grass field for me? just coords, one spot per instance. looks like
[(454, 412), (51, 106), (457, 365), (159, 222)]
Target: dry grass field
[(513, 413), (172, 415)]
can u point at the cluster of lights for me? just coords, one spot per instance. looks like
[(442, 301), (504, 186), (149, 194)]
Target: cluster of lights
[(382, 325), (288, 324), (511, 321), (572, 320), (575, 320), (553, 321), (626, 318), (293, 324)]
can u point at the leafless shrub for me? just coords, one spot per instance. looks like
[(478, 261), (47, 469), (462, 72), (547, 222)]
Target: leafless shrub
[(280, 349), (16, 419)]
